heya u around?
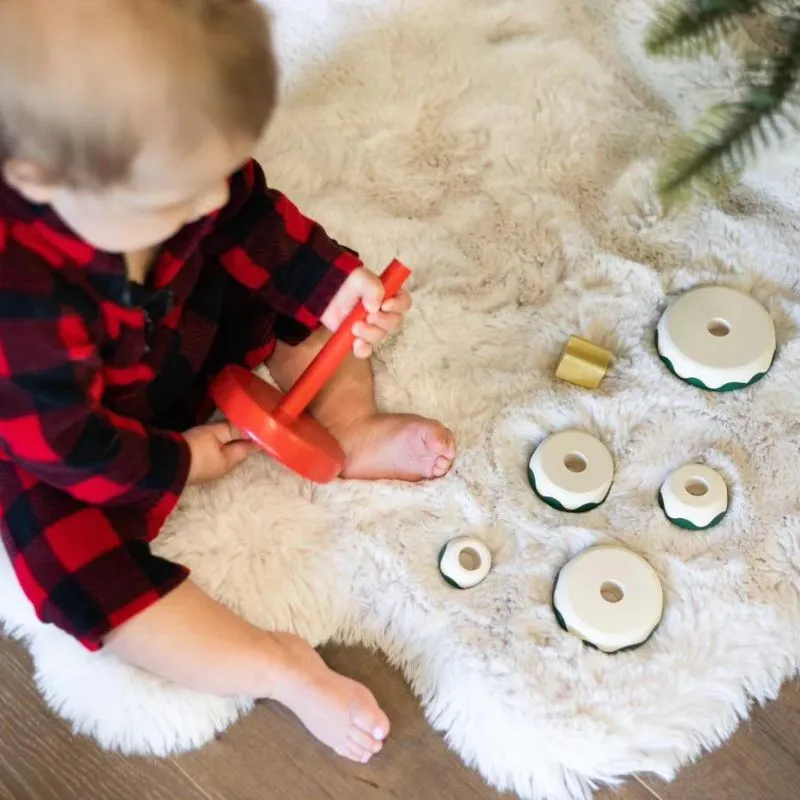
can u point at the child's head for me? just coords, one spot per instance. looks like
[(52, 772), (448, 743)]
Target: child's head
[(127, 116)]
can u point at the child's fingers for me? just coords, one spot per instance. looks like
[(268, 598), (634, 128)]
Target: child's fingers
[(399, 304), (361, 285), (371, 334), (372, 291), (365, 286), (386, 322), (361, 349)]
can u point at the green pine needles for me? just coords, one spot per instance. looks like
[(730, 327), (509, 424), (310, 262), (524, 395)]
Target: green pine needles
[(729, 135)]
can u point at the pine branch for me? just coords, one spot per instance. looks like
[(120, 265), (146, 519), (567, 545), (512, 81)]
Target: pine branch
[(727, 136), (690, 27)]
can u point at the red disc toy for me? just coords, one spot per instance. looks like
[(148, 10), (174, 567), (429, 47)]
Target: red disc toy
[(279, 423)]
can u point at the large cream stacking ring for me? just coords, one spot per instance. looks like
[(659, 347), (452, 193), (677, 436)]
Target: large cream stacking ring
[(571, 471), (610, 597), (716, 338), (694, 497)]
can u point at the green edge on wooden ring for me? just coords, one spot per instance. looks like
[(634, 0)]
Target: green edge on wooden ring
[(680, 522), (726, 387), (447, 580), (553, 503), (586, 642)]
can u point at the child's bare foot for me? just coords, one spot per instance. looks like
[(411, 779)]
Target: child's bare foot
[(338, 711), (400, 446)]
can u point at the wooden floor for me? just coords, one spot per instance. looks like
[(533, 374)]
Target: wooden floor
[(268, 755)]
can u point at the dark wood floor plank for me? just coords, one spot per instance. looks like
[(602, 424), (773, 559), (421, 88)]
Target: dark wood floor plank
[(270, 745), (416, 743), (760, 762), (632, 790), (781, 721), (41, 760), (268, 754)]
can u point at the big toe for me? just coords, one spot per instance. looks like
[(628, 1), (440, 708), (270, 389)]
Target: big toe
[(440, 440), (440, 443), (441, 466), (367, 718)]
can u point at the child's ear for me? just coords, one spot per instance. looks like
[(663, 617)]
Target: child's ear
[(29, 179)]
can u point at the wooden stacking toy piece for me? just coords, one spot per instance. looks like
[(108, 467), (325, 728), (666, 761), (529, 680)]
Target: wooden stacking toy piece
[(694, 497), (609, 597), (571, 471), (464, 562), (583, 363), (278, 423), (716, 338)]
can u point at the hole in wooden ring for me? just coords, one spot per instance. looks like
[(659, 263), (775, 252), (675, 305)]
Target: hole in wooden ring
[(611, 592), (718, 327), (696, 487), (574, 462), (469, 558)]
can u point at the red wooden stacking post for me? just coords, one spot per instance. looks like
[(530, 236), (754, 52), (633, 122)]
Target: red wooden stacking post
[(279, 423)]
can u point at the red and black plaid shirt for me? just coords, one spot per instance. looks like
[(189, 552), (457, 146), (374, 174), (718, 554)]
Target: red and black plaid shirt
[(98, 375)]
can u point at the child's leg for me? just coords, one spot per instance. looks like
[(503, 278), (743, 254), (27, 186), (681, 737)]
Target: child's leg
[(377, 445), (189, 638)]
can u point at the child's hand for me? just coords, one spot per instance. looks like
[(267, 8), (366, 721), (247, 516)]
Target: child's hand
[(384, 317), (216, 449)]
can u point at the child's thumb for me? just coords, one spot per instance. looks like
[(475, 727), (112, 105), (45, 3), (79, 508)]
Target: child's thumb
[(224, 432), (238, 451)]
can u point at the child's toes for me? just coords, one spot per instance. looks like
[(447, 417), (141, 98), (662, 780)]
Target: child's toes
[(368, 717), (447, 444), (355, 753), (376, 726), (441, 466), (364, 740), (439, 441)]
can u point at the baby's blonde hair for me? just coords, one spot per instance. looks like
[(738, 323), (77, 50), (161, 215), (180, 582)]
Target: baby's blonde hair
[(84, 84)]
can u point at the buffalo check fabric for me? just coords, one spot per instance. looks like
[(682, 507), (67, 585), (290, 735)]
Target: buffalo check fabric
[(99, 375)]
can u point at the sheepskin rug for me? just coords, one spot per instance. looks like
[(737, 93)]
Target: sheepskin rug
[(505, 150)]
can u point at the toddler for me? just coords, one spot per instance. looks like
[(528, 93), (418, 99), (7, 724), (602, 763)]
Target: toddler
[(141, 251)]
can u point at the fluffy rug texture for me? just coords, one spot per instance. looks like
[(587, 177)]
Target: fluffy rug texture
[(505, 150)]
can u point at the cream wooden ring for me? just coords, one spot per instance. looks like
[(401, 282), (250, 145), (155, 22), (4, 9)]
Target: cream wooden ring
[(694, 497), (610, 597), (571, 470), (464, 562), (717, 338)]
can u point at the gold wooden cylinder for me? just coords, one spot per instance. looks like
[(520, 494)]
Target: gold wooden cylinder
[(583, 363)]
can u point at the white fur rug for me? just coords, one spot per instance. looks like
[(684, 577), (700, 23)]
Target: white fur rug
[(503, 148)]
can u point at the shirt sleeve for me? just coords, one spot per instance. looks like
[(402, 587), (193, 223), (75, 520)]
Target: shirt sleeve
[(285, 257), (52, 423), (82, 490), (85, 569)]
